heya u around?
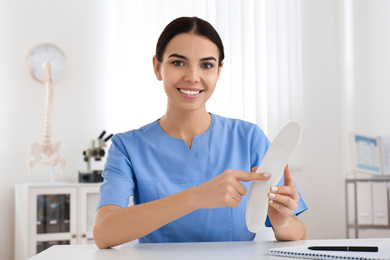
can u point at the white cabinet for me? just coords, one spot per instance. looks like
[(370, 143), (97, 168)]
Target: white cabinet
[(49, 214), (88, 199)]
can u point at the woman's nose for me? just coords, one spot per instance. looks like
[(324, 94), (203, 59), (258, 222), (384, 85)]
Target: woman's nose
[(192, 75)]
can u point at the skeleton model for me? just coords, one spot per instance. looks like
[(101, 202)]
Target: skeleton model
[(45, 152)]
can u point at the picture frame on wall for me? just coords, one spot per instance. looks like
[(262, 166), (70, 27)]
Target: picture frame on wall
[(369, 154)]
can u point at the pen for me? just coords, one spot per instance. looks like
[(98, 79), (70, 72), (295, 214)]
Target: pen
[(346, 248)]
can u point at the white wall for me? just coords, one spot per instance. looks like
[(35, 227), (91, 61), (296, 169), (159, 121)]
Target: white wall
[(371, 106), (81, 29), (321, 182), (340, 97)]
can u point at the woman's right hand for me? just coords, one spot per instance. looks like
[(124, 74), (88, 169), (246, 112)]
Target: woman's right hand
[(225, 190)]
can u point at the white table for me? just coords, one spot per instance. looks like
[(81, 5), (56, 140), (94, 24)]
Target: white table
[(194, 251)]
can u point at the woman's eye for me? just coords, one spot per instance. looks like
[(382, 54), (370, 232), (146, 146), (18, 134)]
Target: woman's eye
[(207, 65), (178, 63)]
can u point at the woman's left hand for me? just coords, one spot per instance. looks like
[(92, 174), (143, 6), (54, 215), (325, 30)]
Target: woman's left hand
[(283, 200)]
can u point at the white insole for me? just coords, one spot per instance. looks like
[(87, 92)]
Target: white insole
[(277, 157)]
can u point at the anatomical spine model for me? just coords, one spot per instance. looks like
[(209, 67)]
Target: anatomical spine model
[(45, 152)]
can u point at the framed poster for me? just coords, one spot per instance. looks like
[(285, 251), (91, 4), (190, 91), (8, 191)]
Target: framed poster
[(369, 154)]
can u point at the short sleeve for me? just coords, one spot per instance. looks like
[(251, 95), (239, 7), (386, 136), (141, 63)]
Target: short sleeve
[(118, 185), (259, 146)]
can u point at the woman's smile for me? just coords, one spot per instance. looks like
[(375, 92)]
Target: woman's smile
[(189, 70), (190, 93)]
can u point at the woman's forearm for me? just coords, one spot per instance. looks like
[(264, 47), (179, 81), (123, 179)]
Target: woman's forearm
[(293, 229), (115, 226)]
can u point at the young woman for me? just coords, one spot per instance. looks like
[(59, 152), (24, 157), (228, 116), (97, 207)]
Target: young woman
[(189, 171)]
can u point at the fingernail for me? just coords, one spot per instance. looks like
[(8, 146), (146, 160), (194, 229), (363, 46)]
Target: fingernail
[(267, 174), (271, 195), (271, 201), (274, 189)]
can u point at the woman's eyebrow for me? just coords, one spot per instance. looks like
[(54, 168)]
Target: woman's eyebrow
[(185, 58), (208, 58), (178, 56)]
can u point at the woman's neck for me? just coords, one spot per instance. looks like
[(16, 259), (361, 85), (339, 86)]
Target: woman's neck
[(184, 124)]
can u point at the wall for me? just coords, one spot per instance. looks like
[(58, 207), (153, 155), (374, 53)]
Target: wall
[(80, 29), (321, 181), (371, 107), (345, 58)]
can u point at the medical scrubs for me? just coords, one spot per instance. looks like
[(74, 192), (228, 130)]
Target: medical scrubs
[(149, 164)]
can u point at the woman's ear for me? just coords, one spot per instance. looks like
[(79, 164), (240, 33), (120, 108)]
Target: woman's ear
[(157, 68), (220, 68)]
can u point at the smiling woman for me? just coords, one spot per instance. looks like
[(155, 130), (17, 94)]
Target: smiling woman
[(189, 77), (189, 171), (189, 58), (189, 81)]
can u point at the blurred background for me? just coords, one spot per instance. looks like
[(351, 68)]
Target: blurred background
[(323, 63)]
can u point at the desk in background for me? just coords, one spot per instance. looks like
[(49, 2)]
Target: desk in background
[(194, 251)]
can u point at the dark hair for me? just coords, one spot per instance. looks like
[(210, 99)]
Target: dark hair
[(189, 25)]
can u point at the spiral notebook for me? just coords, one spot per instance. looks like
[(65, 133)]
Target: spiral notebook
[(302, 252)]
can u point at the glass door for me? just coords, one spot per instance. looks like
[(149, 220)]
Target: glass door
[(55, 222), (53, 213)]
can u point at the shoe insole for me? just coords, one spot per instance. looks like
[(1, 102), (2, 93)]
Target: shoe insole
[(276, 158)]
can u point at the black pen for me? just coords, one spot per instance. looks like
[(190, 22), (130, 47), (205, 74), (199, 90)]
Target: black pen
[(346, 248)]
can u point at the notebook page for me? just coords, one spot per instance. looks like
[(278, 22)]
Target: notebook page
[(302, 252)]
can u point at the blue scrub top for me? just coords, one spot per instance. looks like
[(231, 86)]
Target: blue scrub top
[(149, 164)]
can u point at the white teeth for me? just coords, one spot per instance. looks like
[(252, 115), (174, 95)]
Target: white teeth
[(189, 92)]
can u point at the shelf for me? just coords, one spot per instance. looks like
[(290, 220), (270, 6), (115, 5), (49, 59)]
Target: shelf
[(368, 226), (367, 204)]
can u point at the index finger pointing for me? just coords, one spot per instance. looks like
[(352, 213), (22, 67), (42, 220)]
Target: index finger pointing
[(252, 176)]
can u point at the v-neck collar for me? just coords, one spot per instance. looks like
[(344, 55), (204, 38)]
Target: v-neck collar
[(162, 132)]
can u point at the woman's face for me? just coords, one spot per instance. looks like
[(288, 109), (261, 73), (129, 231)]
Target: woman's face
[(189, 70)]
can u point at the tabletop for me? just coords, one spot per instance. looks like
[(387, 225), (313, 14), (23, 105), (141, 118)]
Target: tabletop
[(195, 251)]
